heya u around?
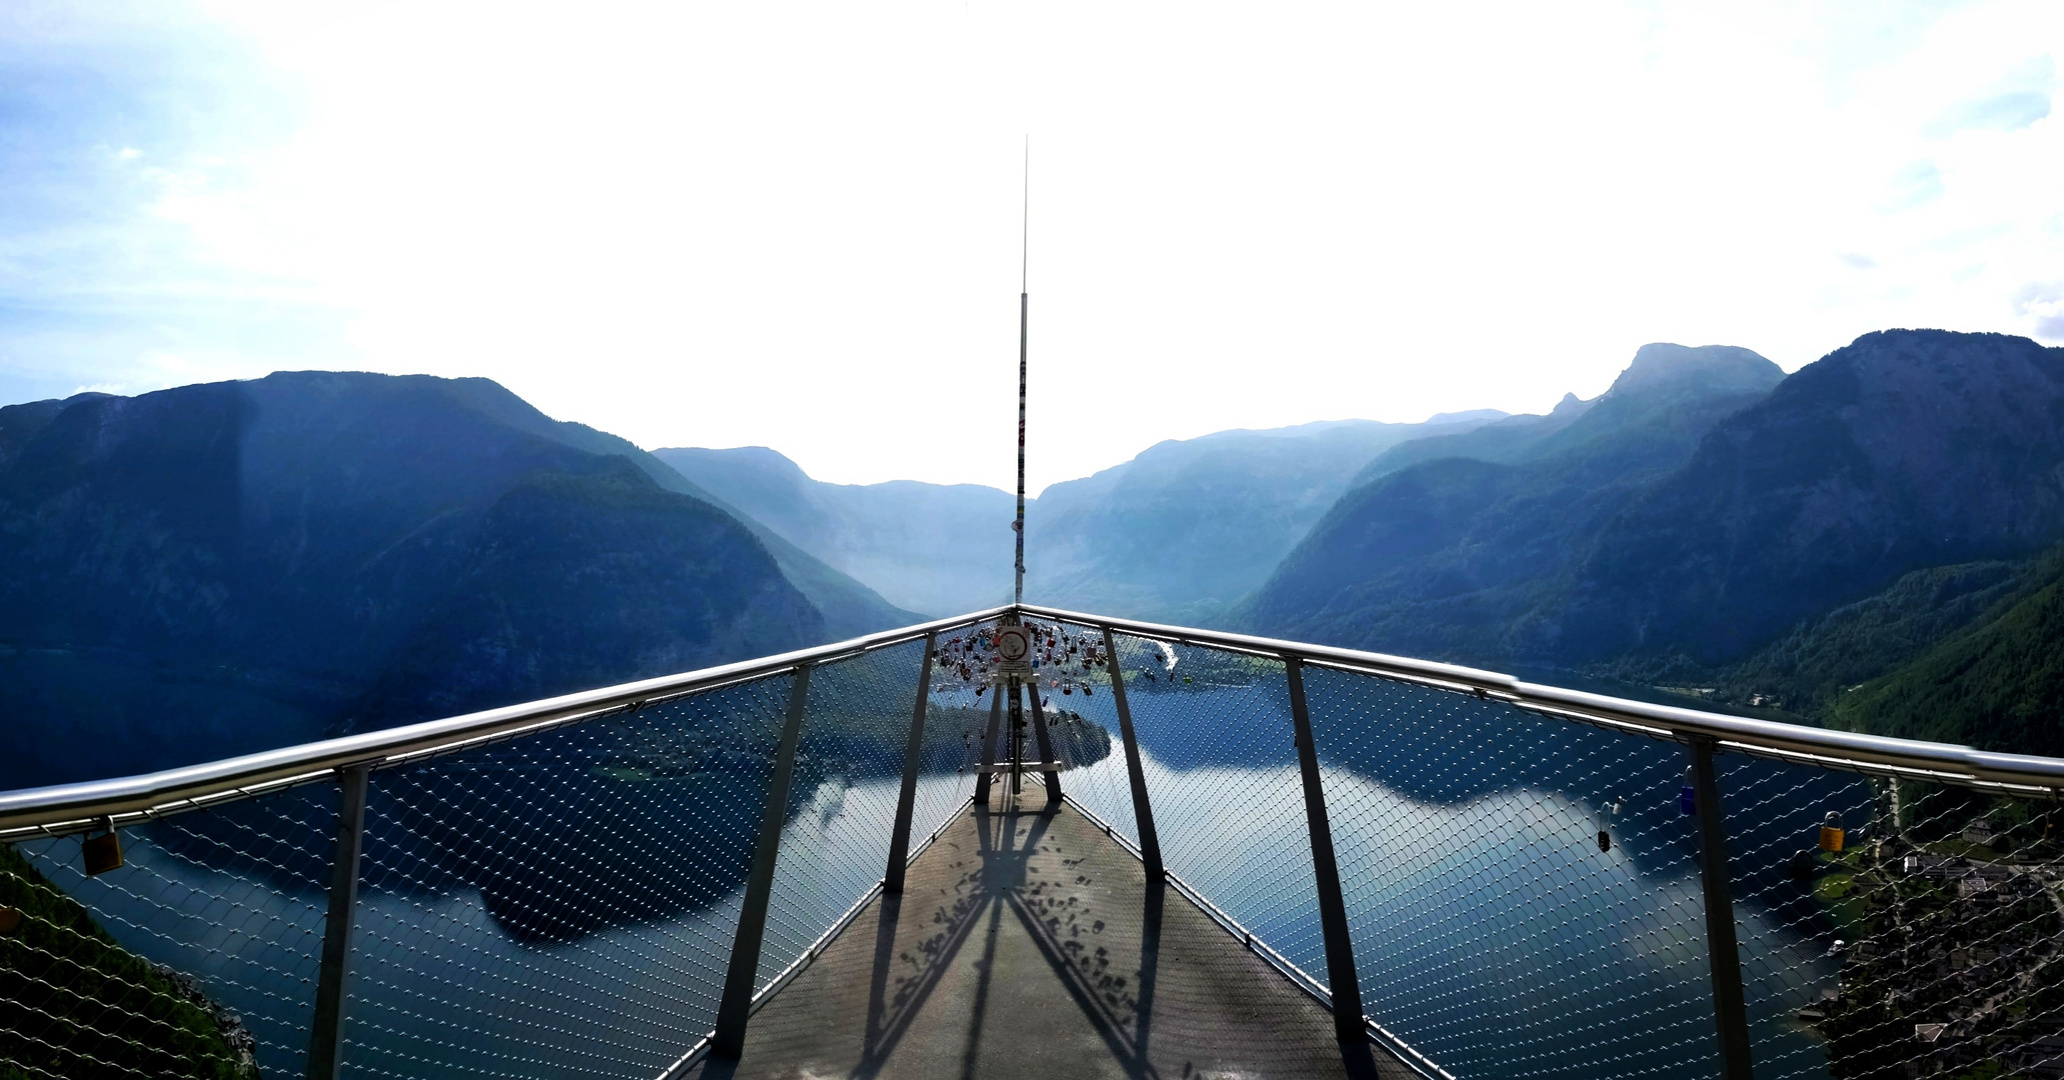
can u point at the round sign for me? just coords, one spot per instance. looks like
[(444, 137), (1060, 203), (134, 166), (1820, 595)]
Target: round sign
[(1013, 644)]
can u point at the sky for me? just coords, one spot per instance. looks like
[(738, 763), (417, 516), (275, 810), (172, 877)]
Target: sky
[(799, 225)]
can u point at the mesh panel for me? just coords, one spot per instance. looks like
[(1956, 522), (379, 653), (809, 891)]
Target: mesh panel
[(561, 904), (849, 770), (1491, 932), (1523, 891), (197, 957), (1084, 716), (1217, 747), (1927, 941)]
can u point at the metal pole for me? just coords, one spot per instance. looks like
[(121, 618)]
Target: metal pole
[(1043, 742), (736, 1006), (1730, 1013), (1024, 316), (989, 746), (906, 799), (1024, 313), (1017, 736), (1142, 814), (1340, 966), (326, 1033)]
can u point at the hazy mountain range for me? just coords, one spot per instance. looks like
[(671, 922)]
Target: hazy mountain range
[(1178, 532), (221, 568)]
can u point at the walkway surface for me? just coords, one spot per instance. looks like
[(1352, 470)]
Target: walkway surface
[(1028, 944)]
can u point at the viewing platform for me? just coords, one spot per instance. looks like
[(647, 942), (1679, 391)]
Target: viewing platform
[(1028, 943), (1028, 842)]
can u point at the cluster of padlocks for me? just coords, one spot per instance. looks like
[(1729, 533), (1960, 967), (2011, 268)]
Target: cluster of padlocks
[(1057, 660)]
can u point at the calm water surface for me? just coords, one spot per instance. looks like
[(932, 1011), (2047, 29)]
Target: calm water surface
[(1491, 932)]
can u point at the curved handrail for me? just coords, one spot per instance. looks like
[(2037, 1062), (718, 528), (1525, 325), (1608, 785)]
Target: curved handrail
[(1821, 746), (76, 807)]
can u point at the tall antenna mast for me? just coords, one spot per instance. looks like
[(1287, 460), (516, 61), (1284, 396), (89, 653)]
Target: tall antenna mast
[(1024, 310)]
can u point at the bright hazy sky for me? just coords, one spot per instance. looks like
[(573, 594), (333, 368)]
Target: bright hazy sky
[(798, 226)]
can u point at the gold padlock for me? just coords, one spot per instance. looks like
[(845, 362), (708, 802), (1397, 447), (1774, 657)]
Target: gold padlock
[(1831, 832), (103, 853)]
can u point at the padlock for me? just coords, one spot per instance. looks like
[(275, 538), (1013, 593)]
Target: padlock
[(103, 853), (1604, 840), (1831, 832), (1687, 800)]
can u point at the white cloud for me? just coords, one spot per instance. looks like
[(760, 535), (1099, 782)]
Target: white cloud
[(797, 225)]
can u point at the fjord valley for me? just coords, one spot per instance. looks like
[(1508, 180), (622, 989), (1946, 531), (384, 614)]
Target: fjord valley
[(228, 567), (1873, 542)]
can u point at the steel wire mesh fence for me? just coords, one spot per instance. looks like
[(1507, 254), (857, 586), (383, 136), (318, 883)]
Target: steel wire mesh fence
[(1217, 747), (1922, 935), (1522, 890), (1084, 717), (849, 771), (196, 957), (560, 904)]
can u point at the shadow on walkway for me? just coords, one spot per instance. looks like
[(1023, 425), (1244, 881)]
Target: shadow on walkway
[(1031, 944)]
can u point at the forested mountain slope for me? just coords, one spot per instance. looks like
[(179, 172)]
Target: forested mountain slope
[(1868, 544), (1464, 556), (223, 568), (1906, 449)]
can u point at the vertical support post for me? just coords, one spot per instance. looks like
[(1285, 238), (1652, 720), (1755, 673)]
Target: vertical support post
[(1043, 741), (906, 799), (736, 1006), (1142, 813), (1730, 1013), (989, 746), (326, 1033), (1340, 965), (1017, 735)]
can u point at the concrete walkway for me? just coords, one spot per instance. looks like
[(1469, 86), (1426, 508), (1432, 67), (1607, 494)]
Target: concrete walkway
[(1029, 945)]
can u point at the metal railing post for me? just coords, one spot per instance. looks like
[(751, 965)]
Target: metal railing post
[(989, 746), (1730, 1012), (1142, 813), (326, 1032), (906, 798), (1340, 965), (736, 1006), (1043, 741)]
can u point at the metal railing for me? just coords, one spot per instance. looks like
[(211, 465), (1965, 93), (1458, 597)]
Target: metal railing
[(1490, 877)]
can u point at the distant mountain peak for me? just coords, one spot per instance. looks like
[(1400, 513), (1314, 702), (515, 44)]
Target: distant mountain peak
[(1665, 367)]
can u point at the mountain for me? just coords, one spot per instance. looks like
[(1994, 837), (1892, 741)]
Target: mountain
[(1174, 533), (850, 608), (1503, 440), (941, 549), (223, 568), (1904, 450), (1187, 527), (1466, 549)]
